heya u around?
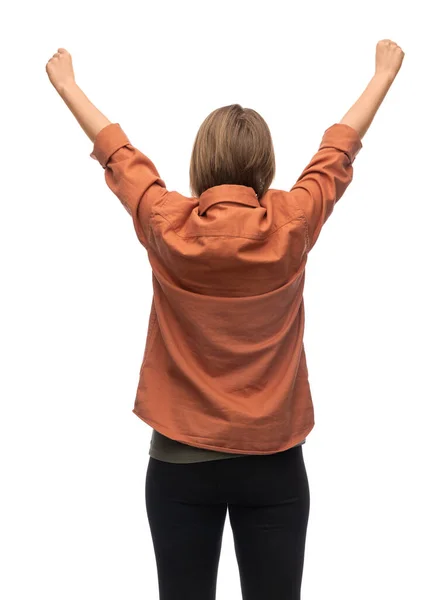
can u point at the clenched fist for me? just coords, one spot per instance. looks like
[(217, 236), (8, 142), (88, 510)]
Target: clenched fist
[(60, 69), (389, 57)]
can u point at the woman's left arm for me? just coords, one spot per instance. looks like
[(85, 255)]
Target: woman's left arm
[(129, 173), (61, 74)]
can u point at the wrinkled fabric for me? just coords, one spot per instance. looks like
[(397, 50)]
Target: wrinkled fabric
[(224, 365)]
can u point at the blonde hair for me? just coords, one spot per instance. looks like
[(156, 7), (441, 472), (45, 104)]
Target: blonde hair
[(233, 146)]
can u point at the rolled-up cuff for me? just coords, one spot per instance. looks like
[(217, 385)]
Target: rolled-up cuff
[(110, 139), (343, 138)]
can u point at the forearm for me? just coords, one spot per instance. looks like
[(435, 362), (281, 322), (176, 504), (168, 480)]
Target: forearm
[(87, 115), (361, 114)]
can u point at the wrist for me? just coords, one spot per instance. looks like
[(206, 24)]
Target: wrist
[(64, 89), (386, 77)]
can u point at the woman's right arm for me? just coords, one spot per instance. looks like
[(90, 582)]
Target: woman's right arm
[(330, 171), (389, 57)]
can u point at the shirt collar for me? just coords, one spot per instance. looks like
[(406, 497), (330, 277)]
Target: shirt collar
[(227, 192)]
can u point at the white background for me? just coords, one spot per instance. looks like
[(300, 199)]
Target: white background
[(77, 286)]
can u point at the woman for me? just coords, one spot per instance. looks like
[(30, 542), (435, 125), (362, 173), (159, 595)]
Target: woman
[(224, 372)]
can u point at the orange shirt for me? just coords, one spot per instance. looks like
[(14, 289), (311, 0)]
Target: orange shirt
[(224, 366)]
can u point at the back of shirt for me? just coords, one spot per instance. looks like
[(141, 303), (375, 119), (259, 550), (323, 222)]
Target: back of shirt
[(224, 366)]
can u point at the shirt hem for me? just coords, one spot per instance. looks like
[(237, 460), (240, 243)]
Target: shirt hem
[(191, 441)]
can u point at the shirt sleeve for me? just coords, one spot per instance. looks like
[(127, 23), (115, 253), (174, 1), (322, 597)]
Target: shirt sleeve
[(130, 175), (327, 176)]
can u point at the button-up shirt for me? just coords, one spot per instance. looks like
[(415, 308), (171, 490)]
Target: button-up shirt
[(224, 365)]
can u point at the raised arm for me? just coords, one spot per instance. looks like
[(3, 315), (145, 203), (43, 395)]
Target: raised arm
[(61, 74), (129, 173), (389, 57), (330, 171)]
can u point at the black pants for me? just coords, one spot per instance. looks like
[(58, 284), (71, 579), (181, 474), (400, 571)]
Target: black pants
[(268, 500)]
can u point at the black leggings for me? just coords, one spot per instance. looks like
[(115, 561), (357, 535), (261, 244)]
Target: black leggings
[(268, 500)]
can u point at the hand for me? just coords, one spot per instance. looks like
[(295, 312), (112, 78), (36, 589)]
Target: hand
[(389, 57), (60, 69)]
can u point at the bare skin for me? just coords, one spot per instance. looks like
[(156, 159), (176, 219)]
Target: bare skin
[(61, 74), (389, 57), (388, 60)]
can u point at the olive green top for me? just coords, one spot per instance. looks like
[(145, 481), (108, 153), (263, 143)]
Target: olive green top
[(168, 450)]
